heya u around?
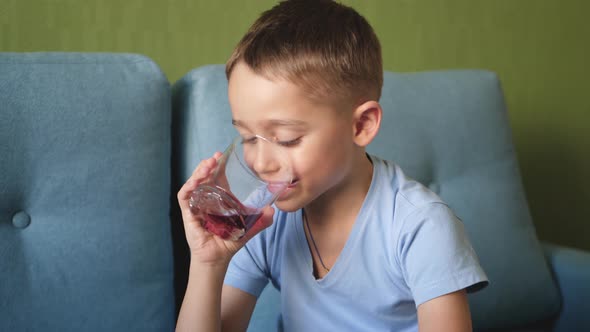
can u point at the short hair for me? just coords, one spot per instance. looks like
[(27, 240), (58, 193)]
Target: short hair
[(324, 47)]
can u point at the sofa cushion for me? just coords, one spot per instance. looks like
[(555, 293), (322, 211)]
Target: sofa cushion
[(84, 193)]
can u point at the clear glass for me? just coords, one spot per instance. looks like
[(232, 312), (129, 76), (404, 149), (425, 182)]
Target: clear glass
[(249, 176)]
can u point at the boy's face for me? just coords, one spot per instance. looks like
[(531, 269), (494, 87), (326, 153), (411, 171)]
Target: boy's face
[(316, 137)]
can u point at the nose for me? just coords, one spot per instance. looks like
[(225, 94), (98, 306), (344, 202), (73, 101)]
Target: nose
[(265, 160)]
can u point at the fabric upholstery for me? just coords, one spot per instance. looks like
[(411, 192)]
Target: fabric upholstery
[(571, 268), (85, 242), (447, 129)]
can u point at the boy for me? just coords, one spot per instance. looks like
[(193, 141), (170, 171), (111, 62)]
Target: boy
[(354, 245)]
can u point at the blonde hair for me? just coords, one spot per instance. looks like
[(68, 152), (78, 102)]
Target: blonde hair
[(326, 48)]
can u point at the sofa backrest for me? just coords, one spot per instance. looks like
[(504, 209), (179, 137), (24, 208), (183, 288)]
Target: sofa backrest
[(447, 129), (85, 239)]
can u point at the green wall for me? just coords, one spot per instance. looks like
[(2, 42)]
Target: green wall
[(540, 49)]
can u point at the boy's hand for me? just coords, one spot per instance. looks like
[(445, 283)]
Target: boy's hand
[(205, 247)]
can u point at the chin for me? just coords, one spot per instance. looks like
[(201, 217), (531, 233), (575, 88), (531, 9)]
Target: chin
[(288, 205)]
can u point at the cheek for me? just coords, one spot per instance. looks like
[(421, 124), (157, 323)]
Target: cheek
[(319, 161), (323, 154)]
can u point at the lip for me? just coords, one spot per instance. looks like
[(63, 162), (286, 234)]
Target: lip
[(287, 191), (274, 186), (293, 184)]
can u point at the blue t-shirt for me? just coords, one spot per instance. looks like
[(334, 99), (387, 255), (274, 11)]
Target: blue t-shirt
[(405, 248)]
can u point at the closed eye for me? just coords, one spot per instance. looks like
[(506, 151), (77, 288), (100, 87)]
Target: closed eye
[(250, 140), (290, 143)]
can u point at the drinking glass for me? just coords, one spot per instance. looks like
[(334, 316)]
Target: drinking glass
[(249, 176)]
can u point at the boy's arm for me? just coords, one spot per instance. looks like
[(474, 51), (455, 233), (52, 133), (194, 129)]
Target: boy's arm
[(204, 308), (201, 306), (210, 306), (237, 307), (447, 313)]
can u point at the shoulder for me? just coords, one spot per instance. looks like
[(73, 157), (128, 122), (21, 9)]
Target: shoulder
[(402, 206), (409, 195), (410, 205)]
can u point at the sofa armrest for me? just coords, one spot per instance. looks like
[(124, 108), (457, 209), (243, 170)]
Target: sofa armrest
[(571, 270)]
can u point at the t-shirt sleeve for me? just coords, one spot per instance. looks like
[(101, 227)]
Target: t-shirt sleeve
[(248, 268), (436, 255)]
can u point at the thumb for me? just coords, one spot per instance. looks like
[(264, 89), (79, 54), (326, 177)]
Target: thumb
[(265, 220)]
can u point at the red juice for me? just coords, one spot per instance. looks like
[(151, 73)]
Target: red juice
[(229, 226), (222, 213)]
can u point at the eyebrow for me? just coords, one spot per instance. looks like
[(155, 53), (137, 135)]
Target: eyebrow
[(273, 123)]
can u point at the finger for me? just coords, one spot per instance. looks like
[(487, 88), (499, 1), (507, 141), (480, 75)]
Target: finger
[(192, 217), (192, 220), (184, 200), (208, 163), (191, 184), (201, 173), (186, 190)]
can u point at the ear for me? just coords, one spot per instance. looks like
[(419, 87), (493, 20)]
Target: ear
[(366, 122)]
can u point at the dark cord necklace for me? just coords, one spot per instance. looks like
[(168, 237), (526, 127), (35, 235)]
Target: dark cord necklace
[(305, 220)]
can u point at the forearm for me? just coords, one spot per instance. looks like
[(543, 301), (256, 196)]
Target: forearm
[(201, 307)]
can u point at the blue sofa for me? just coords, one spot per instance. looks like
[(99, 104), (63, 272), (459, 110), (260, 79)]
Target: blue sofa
[(93, 148)]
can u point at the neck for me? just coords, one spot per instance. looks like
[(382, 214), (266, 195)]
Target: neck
[(343, 202)]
